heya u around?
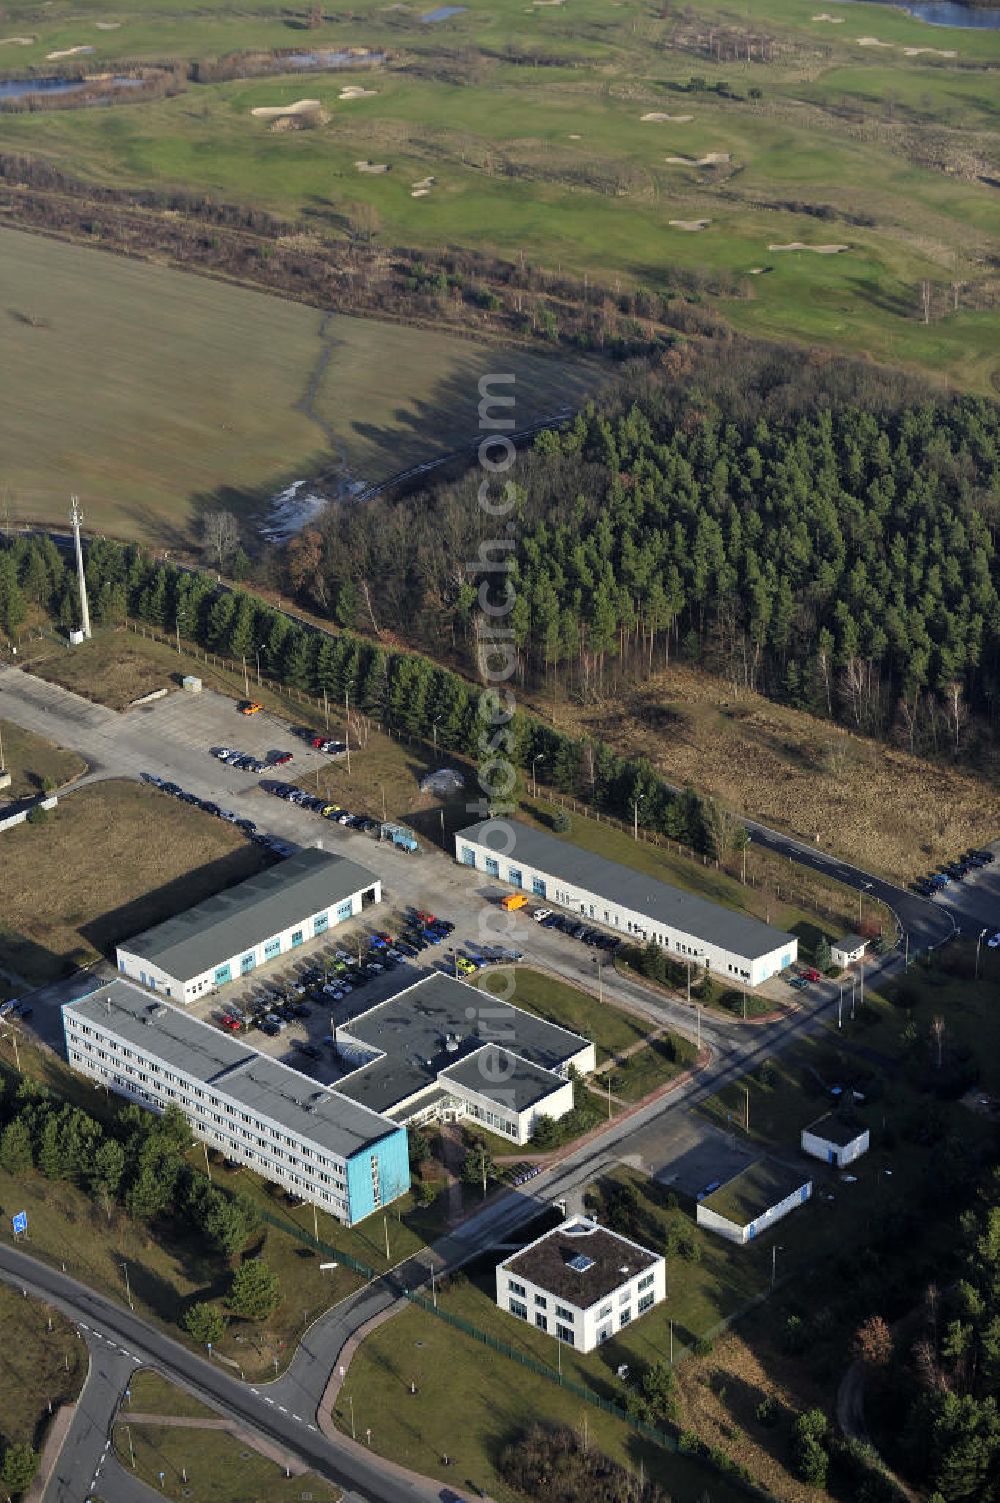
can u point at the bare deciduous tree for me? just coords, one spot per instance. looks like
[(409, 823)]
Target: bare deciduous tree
[(220, 536)]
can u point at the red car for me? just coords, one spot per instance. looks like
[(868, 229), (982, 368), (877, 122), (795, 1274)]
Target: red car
[(280, 758), (812, 975), (426, 918), (317, 740), (231, 1025)]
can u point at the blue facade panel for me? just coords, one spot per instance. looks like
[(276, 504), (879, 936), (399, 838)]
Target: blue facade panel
[(392, 1168)]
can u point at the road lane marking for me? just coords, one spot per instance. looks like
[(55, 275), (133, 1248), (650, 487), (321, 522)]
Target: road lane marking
[(297, 1417), (267, 1400)]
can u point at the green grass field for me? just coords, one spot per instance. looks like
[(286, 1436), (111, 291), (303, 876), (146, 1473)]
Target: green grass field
[(155, 395), (210, 1466), (556, 162), (34, 763), (43, 1365)]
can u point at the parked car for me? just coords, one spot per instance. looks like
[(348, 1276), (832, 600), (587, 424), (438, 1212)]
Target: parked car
[(280, 759), (249, 707), (811, 974)]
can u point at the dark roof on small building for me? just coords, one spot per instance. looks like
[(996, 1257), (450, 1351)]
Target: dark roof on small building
[(263, 1086), (611, 1260), (834, 1129), (243, 916), (758, 1187), (850, 942), (666, 905), (433, 1026)]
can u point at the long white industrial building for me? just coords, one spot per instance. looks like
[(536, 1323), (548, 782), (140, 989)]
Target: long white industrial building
[(239, 930), (733, 946)]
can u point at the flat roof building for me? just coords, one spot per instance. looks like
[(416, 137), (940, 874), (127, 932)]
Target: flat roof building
[(318, 1144), (730, 944), (581, 1283), (848, 950), (835, 1140), (442, 1048), (236, 931), (753, 1200)]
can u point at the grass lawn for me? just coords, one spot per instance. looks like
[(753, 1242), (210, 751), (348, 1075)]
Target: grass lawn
[(497, 1400), (182, 409), (34, 763), (210, 1466), (154, 1394), (43, 1363), (610, 1028), (168, 1270), (649, 1067), (71, 886)]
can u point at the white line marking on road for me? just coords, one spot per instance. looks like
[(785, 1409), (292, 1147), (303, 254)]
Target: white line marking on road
[(297, 1417), (310, 1427), (282, 1408), (256, 1391), (267, 1400)]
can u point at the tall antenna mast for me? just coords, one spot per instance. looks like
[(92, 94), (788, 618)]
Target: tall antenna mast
[(81, 577)]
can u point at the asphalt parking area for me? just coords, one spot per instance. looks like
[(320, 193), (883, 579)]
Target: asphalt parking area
[(686, 1154), (206, 720), (974, 903)]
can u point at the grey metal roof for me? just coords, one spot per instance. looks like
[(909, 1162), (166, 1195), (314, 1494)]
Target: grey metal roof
[(263, 1086), (243, 916), (414, 1028), (850, 942), (834, 1129), (503, 1077), (671, 907), (611, 1261)]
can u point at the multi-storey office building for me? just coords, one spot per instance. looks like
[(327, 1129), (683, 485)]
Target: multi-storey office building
[(237, 931), (319, 1145)]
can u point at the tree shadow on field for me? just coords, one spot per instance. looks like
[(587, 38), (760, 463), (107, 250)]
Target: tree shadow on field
[(161, 903)]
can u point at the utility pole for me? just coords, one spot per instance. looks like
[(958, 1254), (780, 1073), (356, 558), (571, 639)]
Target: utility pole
[(128, 1291), (76, 519), (347, 728), (979, 941), (208, 1167), (840, 1007)]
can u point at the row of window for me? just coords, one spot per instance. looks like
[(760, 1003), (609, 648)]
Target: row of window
[(568, 899), (492, 1119), (149, 1072)]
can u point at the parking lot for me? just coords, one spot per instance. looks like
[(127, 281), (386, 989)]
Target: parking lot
[(207, 720), (687, 1155), (973, 901)]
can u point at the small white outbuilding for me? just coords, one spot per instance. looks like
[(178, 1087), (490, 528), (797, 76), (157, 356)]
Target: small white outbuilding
[(848, 951), (835, 1141)]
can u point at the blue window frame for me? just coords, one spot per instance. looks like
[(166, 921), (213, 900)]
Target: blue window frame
[(515, 875), (492, 866), (321, 922), (272, 947), (468, 856), (223, 973), (297, 938), (538, 887), (344, 911), (247, 964)]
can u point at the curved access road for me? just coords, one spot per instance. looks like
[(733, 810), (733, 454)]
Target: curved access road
[(130, 1341)]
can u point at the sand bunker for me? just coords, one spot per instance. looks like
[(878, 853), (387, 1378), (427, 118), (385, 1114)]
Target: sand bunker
[(713, 159), (689, 224), (372, 166), (354, 91), (936, 51), (17, 41), (676, 119), (873, 42), (819, 250), (50, 57), (281, 111), (833, 20)]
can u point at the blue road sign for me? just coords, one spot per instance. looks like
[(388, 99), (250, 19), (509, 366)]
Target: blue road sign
[(20, 1223)]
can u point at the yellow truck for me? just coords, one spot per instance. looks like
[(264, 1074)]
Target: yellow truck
[(513, 901)]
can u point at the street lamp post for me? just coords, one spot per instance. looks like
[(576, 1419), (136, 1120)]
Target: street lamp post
[(434, 733), (865, 887), (600, 978), (635, 802), (534, 776), (128, 1291), (979, 942), (746, 844), (775, 1250)]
